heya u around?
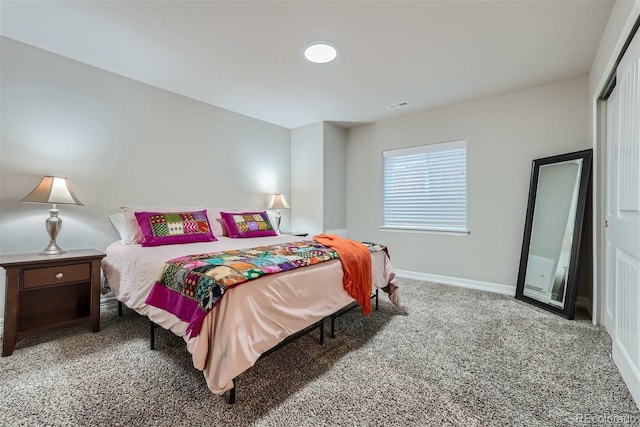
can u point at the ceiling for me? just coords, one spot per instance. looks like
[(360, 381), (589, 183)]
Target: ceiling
[(247, 56)]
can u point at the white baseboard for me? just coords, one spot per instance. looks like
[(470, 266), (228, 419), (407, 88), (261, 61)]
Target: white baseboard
[(456, 281), (583, 302)]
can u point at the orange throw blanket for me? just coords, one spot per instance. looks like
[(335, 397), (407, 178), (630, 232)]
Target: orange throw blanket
[(356, 264)]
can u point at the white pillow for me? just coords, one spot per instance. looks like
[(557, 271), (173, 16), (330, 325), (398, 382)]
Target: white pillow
[(120, 224)]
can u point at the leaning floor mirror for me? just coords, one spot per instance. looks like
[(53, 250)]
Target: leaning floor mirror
[(549, 262)]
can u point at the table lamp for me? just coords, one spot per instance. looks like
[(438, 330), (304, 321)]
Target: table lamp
[(57, 191), (278, 202)]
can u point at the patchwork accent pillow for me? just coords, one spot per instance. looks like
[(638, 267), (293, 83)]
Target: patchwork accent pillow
[(169, 228), (248, 224), (134, 234)]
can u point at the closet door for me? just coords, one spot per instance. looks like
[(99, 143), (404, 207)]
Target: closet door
[(622, 294)]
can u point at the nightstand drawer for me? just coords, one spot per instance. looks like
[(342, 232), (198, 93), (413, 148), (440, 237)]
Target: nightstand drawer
[(38, 277)]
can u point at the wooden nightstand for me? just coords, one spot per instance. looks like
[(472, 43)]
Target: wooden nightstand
[(46, 292)]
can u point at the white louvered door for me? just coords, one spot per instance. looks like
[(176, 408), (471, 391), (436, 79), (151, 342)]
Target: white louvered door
[(622, 252)]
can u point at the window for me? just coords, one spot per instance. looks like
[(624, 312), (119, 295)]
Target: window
[(425, 188)]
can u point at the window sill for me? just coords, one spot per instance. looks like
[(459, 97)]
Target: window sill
[(424, 231)]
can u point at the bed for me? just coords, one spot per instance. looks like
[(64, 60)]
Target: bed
[(250, 319)]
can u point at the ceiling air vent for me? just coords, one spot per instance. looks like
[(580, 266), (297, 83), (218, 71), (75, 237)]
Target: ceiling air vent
[(398, 105)]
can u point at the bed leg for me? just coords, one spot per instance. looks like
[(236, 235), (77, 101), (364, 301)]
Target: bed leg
[(152, 335), (232, 394), (333, 326), (377, 298), (119, 309), (321, 327)]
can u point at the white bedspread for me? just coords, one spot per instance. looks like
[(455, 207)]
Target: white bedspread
[(251, 318)]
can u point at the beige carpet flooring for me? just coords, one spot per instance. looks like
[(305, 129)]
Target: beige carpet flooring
[(456, 357)]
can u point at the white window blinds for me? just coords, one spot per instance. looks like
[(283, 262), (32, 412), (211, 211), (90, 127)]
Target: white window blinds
[(425, 188)]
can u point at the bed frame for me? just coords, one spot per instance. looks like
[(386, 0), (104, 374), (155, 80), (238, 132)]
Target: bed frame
[(318, 325)]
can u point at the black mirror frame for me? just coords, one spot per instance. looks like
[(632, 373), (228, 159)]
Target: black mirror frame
[(569, 308)]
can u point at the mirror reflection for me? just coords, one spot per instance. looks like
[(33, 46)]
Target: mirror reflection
[(552, 232), (548, 274)]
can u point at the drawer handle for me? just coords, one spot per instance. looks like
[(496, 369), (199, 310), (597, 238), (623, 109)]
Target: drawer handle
[(59, 275)]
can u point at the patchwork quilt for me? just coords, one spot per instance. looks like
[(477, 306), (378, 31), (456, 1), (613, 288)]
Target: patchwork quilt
[(190, 286)]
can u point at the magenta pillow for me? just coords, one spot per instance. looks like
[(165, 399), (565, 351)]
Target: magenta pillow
[(170, 228), (247, 224)]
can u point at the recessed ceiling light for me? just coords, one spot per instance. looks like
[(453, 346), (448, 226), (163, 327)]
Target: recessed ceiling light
[(320, 52)]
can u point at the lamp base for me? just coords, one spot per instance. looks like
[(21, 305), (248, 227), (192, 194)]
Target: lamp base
[(54, 224), (278, 219), (52, 249)]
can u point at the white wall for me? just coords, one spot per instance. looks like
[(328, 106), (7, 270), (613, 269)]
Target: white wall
[(307, 184), (335, 177), (120, 142), (318, 176), (504, 134), (622, 18)]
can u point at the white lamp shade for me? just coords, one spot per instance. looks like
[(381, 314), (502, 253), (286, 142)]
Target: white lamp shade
[(54, 190), (278, 202)]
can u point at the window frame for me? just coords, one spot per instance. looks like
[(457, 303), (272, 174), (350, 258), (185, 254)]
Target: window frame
[(427, 149)]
